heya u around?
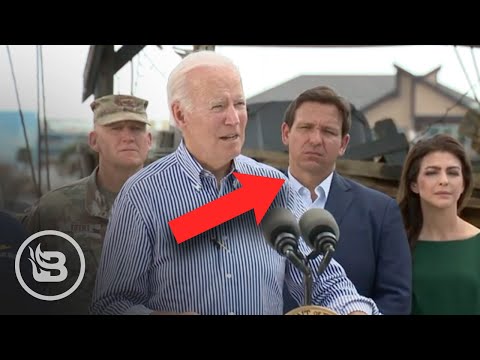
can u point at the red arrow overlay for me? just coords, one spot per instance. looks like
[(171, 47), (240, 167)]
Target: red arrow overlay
[(257, 193)]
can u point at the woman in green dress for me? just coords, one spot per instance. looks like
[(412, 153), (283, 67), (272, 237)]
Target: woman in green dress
[(436, 184)]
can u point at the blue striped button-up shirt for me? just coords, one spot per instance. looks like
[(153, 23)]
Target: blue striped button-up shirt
[(229, 269)]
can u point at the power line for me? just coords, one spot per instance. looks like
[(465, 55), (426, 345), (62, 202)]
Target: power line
[(465, 72), (29, 153), (439, 121), (45, 126), (39, 123), (475, 63)]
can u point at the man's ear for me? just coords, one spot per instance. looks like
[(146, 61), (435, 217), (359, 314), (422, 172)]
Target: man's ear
[(178, 115), (343, 147), (149, 139), (92, 140), (285, 133)]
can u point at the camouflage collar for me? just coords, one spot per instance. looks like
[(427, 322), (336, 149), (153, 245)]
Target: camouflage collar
[(95, 203)]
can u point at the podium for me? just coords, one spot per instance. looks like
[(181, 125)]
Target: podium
[(311, 310)]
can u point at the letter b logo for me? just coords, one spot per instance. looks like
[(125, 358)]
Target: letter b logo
[(38, 265), (49, 266)]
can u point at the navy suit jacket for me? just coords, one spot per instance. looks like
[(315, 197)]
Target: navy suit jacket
[(372, 246)]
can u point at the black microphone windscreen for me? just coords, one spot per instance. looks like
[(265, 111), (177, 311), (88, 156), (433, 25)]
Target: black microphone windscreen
[(277, 221), (314, 222)]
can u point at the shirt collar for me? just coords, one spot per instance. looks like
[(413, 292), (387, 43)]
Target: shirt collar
[(192, 167), (188, 163), (323, 187)]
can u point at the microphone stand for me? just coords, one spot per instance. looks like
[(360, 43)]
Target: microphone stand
[(326, 260), (302, 263), (307, 278), (325, 246), (308, 284), (285, 245)]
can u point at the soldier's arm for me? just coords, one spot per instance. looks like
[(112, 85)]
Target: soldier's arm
[(31, 219)]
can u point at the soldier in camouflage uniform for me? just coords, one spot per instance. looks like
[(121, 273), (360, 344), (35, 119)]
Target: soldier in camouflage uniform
[(81, 209)]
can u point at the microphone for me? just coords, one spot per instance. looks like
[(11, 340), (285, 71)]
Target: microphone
[(280, 229), (320, 231)]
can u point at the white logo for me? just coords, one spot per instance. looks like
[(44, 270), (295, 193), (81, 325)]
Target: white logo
[(37, 260), (45, 276)]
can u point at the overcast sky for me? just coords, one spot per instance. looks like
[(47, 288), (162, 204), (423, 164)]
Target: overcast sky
[(261, 68)]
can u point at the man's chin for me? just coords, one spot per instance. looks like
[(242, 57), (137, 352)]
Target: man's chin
[(311, 163), (234, 150), (313, 167), (131, 163)]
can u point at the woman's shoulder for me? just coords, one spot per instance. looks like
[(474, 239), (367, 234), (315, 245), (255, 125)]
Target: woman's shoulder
[(472, 231)]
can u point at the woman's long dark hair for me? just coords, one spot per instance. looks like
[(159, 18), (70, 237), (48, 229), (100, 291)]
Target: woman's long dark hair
[(409, 201)]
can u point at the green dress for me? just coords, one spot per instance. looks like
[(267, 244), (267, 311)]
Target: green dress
[(446, 277)]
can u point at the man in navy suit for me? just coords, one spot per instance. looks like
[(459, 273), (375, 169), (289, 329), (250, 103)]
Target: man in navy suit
[(373, 246)]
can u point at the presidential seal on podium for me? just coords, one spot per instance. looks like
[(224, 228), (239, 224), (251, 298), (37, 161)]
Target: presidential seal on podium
[(311, 310)]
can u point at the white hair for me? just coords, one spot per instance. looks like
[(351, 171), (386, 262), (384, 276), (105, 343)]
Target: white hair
[(176, 85)]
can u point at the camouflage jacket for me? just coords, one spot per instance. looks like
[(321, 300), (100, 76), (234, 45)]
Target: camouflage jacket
[(81, 211)]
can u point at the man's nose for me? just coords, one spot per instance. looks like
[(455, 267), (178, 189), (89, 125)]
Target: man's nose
[(316, 137), (127, 134), (232, 117)]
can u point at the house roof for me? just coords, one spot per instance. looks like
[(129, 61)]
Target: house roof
[(360, 90), (454, 95)]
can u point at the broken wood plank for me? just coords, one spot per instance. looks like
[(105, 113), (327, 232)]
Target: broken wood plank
[(381, 147)]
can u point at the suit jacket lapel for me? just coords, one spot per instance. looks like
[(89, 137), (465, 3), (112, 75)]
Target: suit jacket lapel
[(339, 198)]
